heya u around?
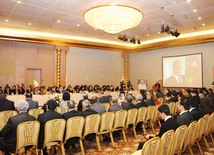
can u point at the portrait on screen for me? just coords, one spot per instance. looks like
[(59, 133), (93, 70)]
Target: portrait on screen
[(182, 71)]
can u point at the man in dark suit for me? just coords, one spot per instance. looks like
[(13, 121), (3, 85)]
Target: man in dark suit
[(185, 117), (85, 97), (128, 103), (72, 113), (114, 106), (194, 103), (6, 104), (43, 118), (140, 103), (86, 109), (168, 124), (176, 79), (149, 99), (97, 106), (32, 104), (8, 133)]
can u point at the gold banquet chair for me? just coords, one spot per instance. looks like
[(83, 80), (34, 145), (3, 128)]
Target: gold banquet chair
[(131, 120), (150, 116), (92, 123), (141, 117), (74, 128), (27, 134), (58, 109), (35, 112), (106, 125), (206, 130), (172, 107), (119, 122), (167, 142), (179, 138), (200, 132), (150, 147), (54, 134), (161, 100), (191, 136), (212, 127), (5, 115)]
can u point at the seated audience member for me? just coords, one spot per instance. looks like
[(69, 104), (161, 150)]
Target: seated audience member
[(140, 103), (114, 107), (85, 97), (185, 117), (207, 105), (72, 113), (149, 99), (107, 97), (159, 93), (102, 97), (8, 133), (128, 103), (43, 118), (174, 97), (194, 104), (131, 94), (168, 124), (66, 99), (6, 104), (97, 106), (32, 104), (86, 108)]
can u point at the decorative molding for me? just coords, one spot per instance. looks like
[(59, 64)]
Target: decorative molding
[(58, 66), (126, 67)]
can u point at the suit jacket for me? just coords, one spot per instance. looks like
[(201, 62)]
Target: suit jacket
[(43, 118), (32, 104), (9, 130), (6, 105), (196, 114), (140, 104), (71, 114), (128, 105), (185, 119), (98, 107), (88, 112), (79, 106), (169, 124), (115, 108), (172, 81), (149, 102)]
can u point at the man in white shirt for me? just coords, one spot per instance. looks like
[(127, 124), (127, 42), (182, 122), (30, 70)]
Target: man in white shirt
[(142, 85)]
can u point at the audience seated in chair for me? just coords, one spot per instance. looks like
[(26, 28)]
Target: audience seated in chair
[(114, 107), (32, 104), (8, 133), (169, 123), (97, 106), (6, 104)]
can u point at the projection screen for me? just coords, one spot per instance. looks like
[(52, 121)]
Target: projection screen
[(183, 71)]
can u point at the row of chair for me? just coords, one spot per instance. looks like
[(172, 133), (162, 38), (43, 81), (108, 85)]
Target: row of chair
[(176, 142)]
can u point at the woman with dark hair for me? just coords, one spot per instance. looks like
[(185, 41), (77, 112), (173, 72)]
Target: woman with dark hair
[(65, 100)]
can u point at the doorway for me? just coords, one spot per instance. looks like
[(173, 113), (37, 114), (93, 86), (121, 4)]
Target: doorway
[(34, 74)]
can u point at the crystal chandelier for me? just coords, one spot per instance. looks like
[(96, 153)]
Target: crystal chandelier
[(113, 18)]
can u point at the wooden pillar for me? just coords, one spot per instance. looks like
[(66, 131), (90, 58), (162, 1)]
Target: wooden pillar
[(58, 66), (126, 67)]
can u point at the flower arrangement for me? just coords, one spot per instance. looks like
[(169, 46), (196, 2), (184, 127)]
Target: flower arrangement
[(58, 98)]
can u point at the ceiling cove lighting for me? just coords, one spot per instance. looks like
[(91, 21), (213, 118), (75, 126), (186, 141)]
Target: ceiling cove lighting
[(113, 18)]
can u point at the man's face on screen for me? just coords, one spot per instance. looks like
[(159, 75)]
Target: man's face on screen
[(177, 67)]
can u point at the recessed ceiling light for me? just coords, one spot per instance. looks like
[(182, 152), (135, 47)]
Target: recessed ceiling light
[(95, 28), (58, 21), (6, 20), (159, 33), (203, 24), (199, 18), (29, 23), (194, 10), (147, 35), (78, 25), (115, 37), (19, 2), (188, 1)]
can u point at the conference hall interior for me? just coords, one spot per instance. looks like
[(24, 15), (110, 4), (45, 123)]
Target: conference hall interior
[(107, 77)]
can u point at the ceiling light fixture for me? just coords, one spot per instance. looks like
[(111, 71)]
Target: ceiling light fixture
[(113, 18)]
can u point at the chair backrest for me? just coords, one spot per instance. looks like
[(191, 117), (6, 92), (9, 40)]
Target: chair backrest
[(5, 115), (107, 121), (200, 127), (212, 124), (120, 119), (107, 105), (160, 99), (27, 134), (54, 131), (131, 117), (172, 107), (206, 126), (156, 115), (191, 135), (141, 116), (74, 127), (92, 123), (151, 147), (166, 142), (35, 112), (58, 109), (179, 138), (150, 112)]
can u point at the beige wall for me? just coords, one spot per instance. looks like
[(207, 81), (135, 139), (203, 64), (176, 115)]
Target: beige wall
[(16, 57), (92, 66), (148, 65)]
